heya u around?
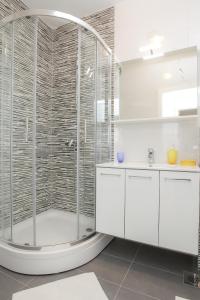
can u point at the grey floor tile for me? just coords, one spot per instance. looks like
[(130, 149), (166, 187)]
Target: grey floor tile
[(21, 278), (43, 279), (122, 249), (9, 286), (187, 292), (108, 267), (167, 260), (126, 294), (159, 284), (109, 288)]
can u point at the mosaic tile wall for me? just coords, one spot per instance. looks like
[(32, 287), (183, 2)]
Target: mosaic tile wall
[(8, 7), (56, 115)]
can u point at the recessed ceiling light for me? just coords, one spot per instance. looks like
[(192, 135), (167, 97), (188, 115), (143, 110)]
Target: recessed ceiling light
[(157, 40), (154, 48), (167, 76)]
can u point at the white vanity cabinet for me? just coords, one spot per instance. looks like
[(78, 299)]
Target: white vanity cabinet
[(110, 197), (179, 211), (142, 206), (157, 206)]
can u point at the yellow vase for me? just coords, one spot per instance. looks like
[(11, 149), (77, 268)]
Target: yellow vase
[(172, 155)]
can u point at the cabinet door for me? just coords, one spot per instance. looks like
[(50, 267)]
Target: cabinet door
[(142, 206), (110, 201), (179, 211)]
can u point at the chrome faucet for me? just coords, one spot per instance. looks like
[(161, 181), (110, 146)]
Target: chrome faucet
[(150, 156)]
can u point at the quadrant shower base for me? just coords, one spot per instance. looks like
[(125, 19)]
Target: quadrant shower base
[(53, 227)]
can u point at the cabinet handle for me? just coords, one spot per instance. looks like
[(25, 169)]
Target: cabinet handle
[(107, 174), (178, 179), (141, 177)]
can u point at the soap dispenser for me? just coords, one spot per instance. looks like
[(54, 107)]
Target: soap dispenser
[(172, 156)]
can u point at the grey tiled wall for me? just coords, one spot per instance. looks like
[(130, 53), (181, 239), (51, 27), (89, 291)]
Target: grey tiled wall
[(8, 7)]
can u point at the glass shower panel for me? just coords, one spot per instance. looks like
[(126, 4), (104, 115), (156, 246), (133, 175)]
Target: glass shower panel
[(6, 40), (45, 148), (87, 132), (104, 131), (56, 138), (23, 130)]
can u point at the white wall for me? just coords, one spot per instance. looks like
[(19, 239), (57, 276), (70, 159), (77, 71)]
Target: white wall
[(135, 139), (177, 20)]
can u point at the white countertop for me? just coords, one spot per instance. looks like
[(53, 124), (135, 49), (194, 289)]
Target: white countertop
[(145, 166)]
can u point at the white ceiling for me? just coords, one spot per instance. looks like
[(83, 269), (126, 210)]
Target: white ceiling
[(78, 8)]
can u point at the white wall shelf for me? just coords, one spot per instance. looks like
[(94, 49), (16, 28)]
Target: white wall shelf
[(155, 120)]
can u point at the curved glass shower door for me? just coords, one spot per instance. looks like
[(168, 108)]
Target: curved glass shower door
[(94, 126), (17, 131), (5, 106), (56, 215), (55, 126), (87, 133)]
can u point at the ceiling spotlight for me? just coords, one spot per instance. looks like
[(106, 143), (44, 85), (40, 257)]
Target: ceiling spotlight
[(167, 76), (156, 41), (154, 48), (149, 53)]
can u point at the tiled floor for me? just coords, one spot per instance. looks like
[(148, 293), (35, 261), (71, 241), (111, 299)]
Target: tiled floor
[(126, 271)]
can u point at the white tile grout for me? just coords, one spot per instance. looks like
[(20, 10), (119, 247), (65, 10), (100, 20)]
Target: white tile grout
[(140, 293), (159, 269), (130, 266), (118, 257)]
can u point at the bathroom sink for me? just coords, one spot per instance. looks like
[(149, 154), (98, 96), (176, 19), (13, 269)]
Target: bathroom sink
[(146, 166)]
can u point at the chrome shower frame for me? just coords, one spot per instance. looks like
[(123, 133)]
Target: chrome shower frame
[(57, 14), (83, 24)]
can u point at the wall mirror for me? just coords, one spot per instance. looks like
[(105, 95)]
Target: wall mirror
[(164, 87)]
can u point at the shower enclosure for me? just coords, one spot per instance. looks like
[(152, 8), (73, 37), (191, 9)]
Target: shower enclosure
[(55, 105)]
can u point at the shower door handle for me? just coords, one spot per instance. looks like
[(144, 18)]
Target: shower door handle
[(27, 130), (85, 132)]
